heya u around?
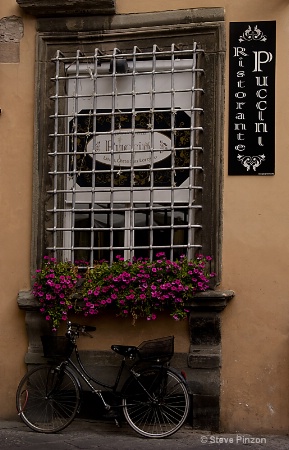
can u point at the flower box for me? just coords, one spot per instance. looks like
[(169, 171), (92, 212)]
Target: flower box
[(138, 288)]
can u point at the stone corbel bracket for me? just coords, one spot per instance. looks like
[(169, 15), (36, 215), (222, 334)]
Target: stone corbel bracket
[(205, 356), (49, 8), (36, 326), (211, 300)]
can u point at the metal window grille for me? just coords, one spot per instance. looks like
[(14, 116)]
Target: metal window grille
[(126, 164)]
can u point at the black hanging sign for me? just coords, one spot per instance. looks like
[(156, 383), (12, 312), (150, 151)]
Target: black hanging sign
[(252, 98)]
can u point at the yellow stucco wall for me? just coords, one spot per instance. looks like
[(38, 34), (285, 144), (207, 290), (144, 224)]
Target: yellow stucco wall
[(16, 145), (255, 325)]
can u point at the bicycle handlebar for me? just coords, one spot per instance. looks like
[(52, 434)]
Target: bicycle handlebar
[(77, 327)]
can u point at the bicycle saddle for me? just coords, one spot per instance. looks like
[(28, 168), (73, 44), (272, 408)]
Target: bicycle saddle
[(125, 350)]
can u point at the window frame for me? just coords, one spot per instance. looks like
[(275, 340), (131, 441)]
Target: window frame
[(181, 27)]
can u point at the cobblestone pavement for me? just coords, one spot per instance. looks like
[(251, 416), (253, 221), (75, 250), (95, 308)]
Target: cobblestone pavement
[(99, 434)]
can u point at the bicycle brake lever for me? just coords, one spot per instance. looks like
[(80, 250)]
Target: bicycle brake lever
[(85, 333)]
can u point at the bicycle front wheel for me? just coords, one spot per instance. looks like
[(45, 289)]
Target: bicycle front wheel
[(48, 398), (156, 402)]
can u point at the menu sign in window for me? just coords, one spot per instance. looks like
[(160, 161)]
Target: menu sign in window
[(252, 98)]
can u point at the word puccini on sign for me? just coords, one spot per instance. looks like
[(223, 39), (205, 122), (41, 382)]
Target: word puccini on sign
[(252, 98)]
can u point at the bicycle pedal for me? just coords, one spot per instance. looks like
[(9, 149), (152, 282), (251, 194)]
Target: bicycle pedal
[(117, 423)]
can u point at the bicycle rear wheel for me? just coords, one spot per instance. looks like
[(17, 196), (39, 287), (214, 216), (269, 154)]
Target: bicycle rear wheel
[(156, 403), (48, 399)]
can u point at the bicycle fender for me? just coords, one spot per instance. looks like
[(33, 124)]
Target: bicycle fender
[(177, 372), (73, 374), (181, 376)]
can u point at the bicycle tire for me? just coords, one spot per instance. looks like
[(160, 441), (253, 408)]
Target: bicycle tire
[(156, 402), (48, 398)]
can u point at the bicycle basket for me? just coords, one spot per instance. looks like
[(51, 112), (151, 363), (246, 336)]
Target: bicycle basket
[(56, 346), (157, 349)]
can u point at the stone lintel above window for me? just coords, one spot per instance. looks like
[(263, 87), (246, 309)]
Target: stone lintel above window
[(48, 8)]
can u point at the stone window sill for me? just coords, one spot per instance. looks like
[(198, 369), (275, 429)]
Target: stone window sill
[(205, 301)]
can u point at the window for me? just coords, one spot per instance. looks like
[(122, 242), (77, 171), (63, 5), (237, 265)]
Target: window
[(126, 182), (129, 145)]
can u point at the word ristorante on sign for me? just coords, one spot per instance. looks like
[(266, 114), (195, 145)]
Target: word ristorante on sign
[(252, 98)]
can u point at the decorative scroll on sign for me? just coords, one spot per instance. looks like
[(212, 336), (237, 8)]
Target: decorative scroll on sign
[(252, 98)]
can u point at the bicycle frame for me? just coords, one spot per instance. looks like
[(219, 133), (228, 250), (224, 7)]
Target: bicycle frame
[(87, 378)]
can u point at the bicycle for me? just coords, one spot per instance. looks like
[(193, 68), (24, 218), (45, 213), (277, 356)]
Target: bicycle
[(154, 398)]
